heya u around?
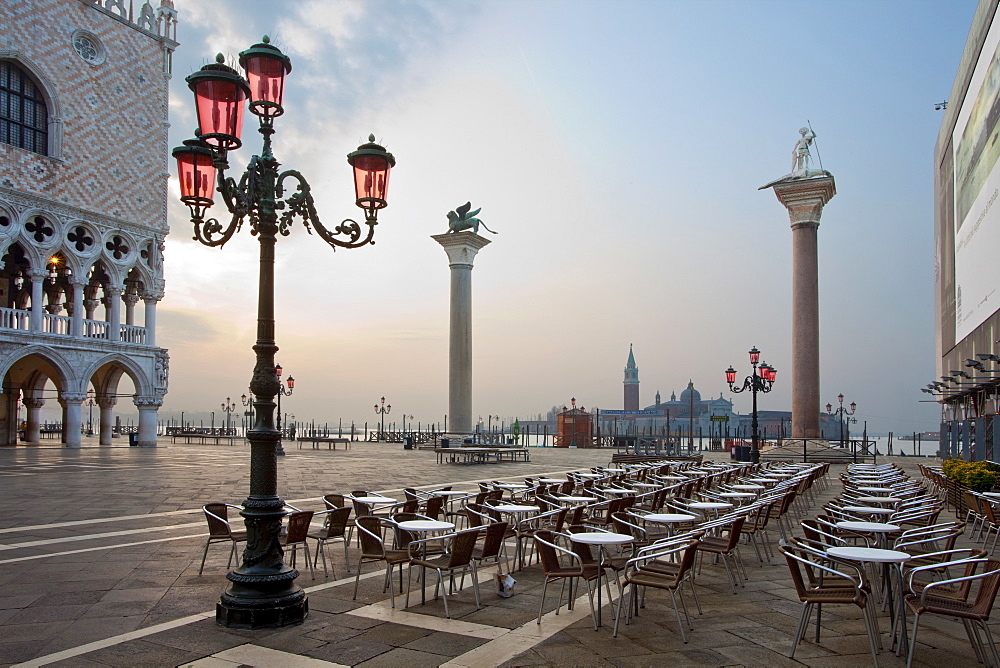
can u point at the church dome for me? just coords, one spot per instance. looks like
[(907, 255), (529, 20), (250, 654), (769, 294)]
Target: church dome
[(686, 395)]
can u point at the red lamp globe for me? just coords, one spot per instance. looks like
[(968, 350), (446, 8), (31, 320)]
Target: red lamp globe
[(730, 375), (219, 92), (266, 67), (754, 355), (277, 370), (371, 164), (196, 173), (291, 383)]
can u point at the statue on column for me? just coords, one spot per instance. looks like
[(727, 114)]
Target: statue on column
[(463, 219), (800, 154)]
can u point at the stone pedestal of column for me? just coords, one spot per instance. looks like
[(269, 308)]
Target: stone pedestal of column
[(805, 196), (461, 248)]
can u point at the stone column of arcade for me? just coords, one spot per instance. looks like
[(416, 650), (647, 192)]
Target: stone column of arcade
[(461, 248), (147, 420), (33, 432), (804, 194), (107, 418), (72, 403)]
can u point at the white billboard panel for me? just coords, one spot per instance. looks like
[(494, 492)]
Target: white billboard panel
[(976, 148)]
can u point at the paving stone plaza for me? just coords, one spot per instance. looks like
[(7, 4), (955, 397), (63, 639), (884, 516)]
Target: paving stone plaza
[(111, 578)]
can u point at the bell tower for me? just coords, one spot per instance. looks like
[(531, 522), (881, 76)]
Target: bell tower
[(631, 383)]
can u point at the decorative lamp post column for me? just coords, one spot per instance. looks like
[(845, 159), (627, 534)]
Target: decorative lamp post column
[(263, 590), (842, 412), (382, 409), (90, 417), (761, 379), (282, 392), (228, 406)]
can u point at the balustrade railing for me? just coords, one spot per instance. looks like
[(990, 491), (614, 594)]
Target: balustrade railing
[(55, 324), (133, 334), (13, 318), (95, 329)]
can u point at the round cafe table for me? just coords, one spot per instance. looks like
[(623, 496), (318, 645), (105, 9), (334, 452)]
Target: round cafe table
[(748, 487), (889, 559), (879, 499), (552, 481), (669, 519), (714, 506), (575, 500), (875, 490), (425, 526), (879, 528), (588, 475), (600, 539), (738, 495), (869, 510)]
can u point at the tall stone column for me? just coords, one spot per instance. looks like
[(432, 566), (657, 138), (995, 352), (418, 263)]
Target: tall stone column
[(805, 197), (72, 403), (33, 431), (107, 418), (461, 248), (147, 420)]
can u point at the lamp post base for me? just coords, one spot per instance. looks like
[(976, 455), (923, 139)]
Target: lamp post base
[(253, 611)]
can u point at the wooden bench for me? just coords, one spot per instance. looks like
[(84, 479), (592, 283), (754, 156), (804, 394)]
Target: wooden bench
[(205, 439), (317, 441), (480, 455)]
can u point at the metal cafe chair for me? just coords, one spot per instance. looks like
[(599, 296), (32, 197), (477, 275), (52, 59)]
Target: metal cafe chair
[(295, 537), (219, 530)]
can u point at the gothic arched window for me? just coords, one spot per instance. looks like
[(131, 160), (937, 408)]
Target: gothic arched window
[(23, 114)]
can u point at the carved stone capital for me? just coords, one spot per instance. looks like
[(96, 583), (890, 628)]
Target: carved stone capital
[(33, 403), (461, 247), (805, 198), (72, 397), (148, 403)]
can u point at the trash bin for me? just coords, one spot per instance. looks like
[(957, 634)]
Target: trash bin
[(133, 440), (407, 442), (444, 442), (744, 453)]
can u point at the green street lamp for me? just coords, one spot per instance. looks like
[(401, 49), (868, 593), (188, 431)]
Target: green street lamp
[(262, 590)]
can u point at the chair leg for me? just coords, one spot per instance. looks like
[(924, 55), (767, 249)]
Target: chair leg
[(618, 615), (677, 613), (409, 572), (205, 554), (590, 597), (913, 640), (992, 645), (801, 629), (475, 583), (232, 555), (444, 593), (541, 605)]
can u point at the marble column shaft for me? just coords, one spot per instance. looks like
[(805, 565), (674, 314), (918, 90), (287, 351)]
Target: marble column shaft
[(461, 248)]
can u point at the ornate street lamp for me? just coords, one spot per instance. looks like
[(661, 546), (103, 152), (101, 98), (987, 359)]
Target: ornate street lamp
[(90, 405), (382, 410), (842, 413), (248, 413), (262, 590), (282, 392), (761, 379), (228, 406)]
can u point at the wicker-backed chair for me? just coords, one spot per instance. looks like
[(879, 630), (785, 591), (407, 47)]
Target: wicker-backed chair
[(335, 527), (372, 538), (220, 531)]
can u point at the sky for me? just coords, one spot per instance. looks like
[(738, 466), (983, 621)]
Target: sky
[(617, 148)]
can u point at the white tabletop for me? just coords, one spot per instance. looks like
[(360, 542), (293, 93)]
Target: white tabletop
[(449, 492), (600, 538), (373, 499), (588, 475), (879, 499), (737, 495), (510, 485), (709, 505), (614, 470), (671, 477), (747, 486), (874, 489), (874, 527), (869, 510), (426, 525), (869, 554), (576, 499), (616, 490), (645, 484), (516, 509), (552, 481), (669, 517)]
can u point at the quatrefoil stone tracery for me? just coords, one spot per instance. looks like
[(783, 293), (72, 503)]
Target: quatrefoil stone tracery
[(40, 229), (117, 247), (79, 238)]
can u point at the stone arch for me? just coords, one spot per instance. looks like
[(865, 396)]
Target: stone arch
[(55, 367), (106, 371), (48, 90)]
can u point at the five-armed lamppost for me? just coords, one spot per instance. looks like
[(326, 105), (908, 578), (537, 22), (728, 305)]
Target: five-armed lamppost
[(228, 406), (282, 392), (248, 413), (262, 590), (90, 419), (382, 410), (843, 413), (761, 379)]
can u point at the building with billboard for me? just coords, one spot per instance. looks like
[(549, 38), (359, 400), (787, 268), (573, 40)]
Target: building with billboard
[(966, 239)]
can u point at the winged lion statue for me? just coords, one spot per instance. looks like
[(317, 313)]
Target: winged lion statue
[(463, 219)]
